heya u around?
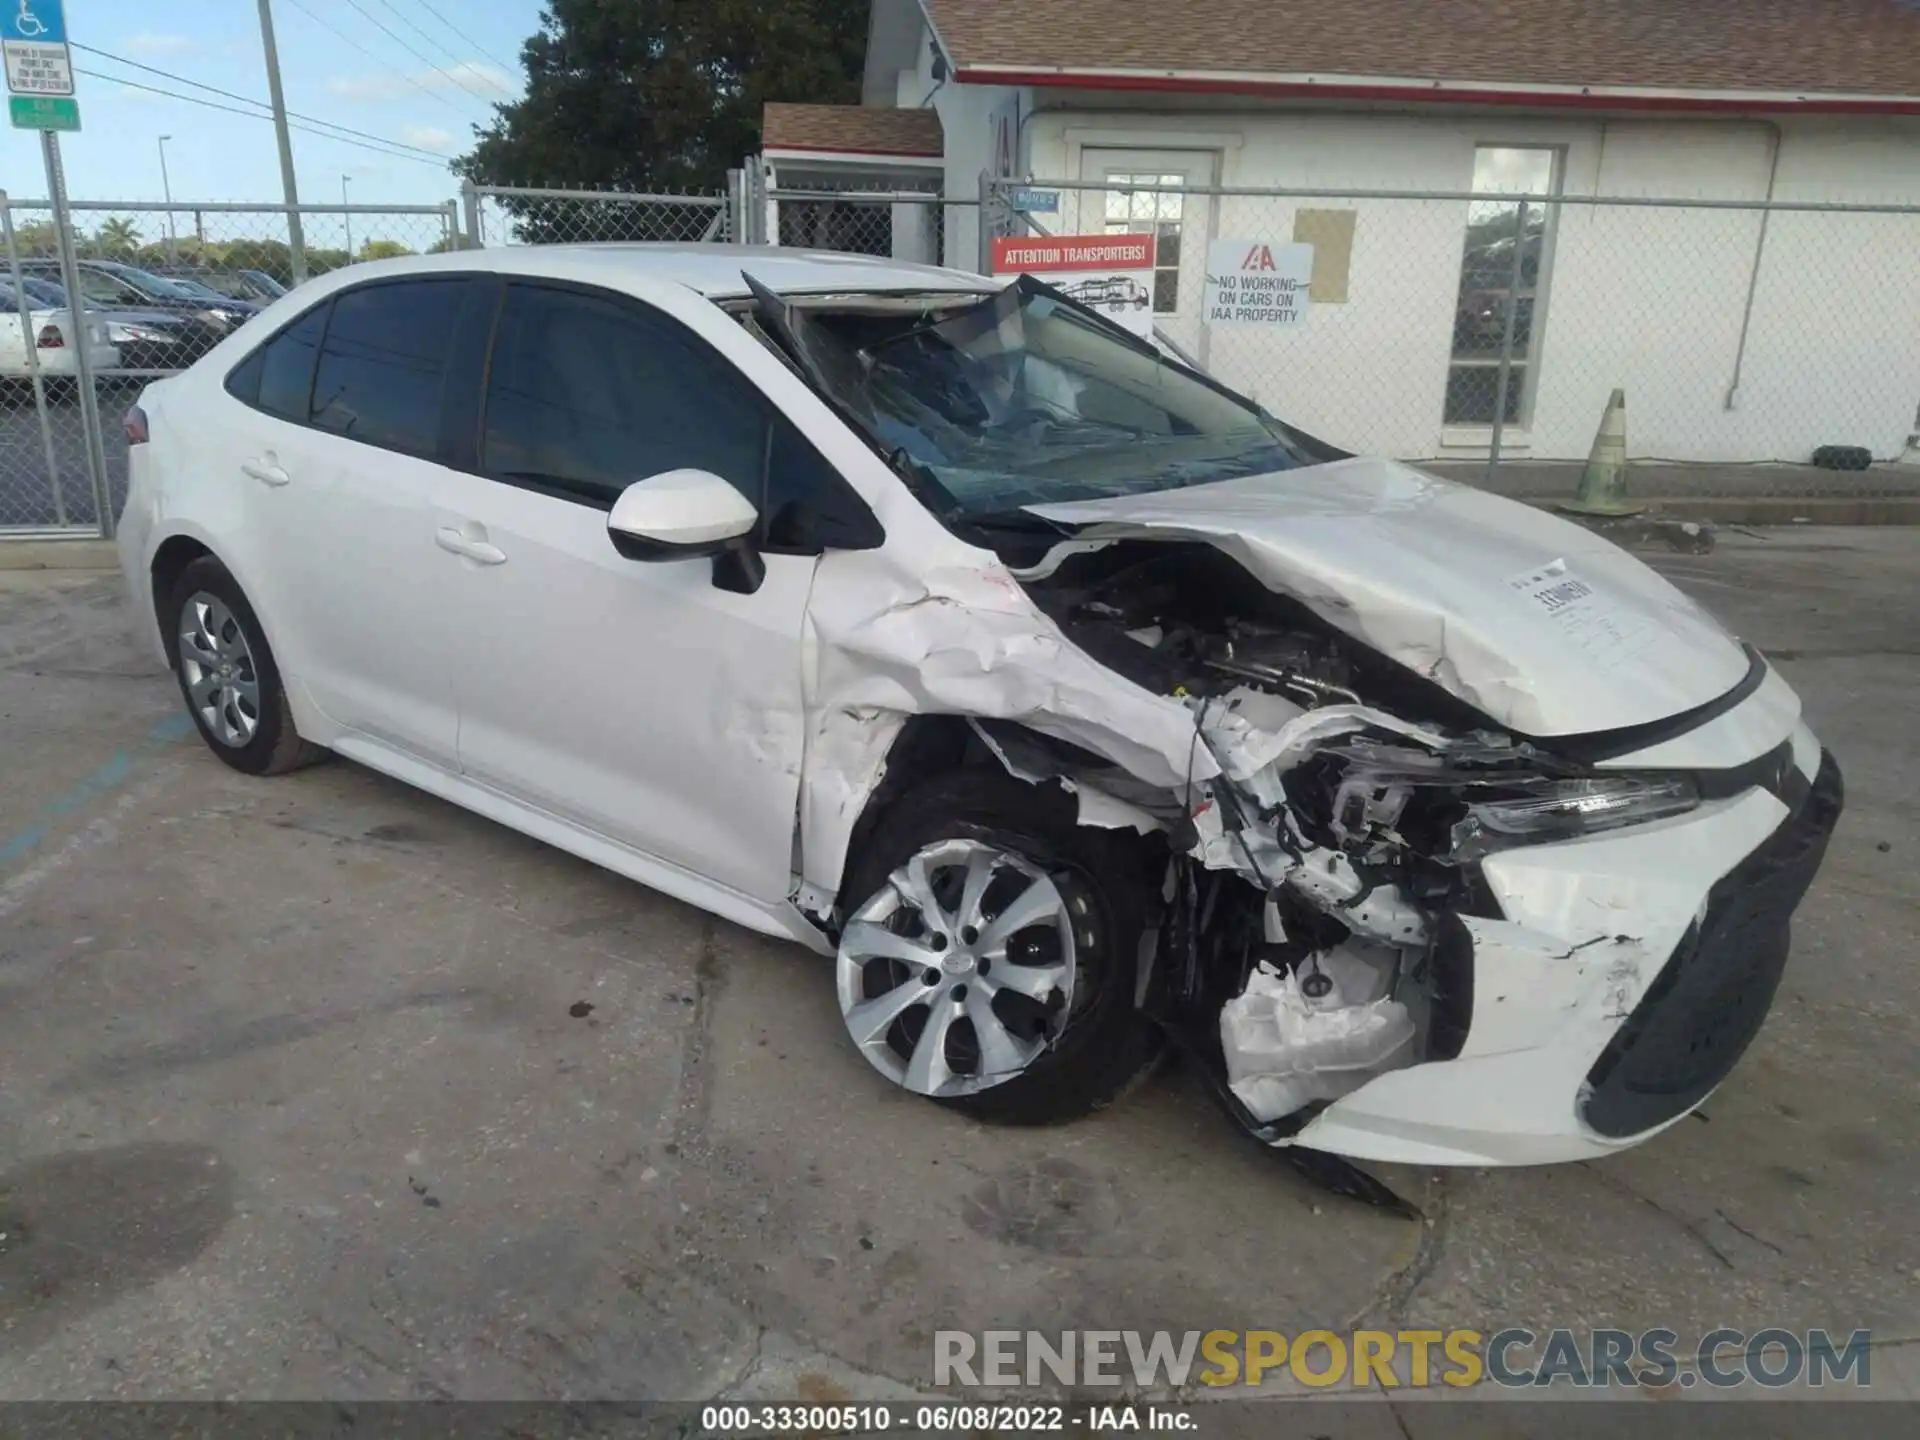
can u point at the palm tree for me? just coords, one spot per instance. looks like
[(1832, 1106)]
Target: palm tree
[(117, 239)]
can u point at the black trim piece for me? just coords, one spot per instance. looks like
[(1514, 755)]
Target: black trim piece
[(1712, 996), (1594, 747), (1452, 1014), (1773, 772), (469, 358)]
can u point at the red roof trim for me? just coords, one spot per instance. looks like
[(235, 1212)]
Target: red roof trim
[(1440, 95)]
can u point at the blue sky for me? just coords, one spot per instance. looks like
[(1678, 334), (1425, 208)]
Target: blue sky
[(337, 65)]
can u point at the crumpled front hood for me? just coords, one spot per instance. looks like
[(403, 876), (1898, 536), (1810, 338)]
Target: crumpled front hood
[(1542, 625)]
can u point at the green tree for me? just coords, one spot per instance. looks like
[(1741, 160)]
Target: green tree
[(658, 95), (382, 250), (271, 256), (116, 239), (37, 239)]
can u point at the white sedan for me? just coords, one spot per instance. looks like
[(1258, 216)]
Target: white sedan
[(1071, 702), (47, 336)]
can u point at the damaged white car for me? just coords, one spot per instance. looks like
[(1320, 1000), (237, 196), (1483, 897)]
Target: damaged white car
[(1075, 705)]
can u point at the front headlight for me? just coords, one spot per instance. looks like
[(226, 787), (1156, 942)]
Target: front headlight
[(1538, 811)]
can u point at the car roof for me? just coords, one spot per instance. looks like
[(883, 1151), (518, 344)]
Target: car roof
[(715, 271)]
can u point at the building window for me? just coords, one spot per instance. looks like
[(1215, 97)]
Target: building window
[(1156, 213), (1494, 231)]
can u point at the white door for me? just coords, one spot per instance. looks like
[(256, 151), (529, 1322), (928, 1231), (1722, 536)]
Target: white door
[(337, 459), (1180, 222), (636, 699)]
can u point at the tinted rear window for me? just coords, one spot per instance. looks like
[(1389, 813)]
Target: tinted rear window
[(286, 368), (384, 363)]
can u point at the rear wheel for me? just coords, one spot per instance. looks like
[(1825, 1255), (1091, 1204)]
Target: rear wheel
[(990, 961), (227, 674)]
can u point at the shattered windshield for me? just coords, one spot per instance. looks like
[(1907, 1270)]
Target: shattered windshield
[(1026, 399)]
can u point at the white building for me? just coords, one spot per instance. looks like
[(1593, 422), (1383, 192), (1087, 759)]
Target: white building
[(1738, 334)]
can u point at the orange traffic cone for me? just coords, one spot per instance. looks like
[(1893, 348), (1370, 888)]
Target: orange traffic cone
[(1603, 484)]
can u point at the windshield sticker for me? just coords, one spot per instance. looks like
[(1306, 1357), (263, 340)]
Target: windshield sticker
[(1586, 617)]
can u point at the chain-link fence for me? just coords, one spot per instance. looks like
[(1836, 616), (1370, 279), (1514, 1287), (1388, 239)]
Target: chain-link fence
[(505, 215), (898, 223), (1435, 326), (159, 287)]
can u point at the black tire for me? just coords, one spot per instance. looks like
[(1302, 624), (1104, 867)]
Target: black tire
[(1106, 1045), (275, 747)]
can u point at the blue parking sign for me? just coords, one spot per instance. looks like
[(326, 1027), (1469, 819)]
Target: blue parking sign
[(39, 21)]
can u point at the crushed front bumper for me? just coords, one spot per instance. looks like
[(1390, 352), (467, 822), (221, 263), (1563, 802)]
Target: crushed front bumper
[(1626, 976)]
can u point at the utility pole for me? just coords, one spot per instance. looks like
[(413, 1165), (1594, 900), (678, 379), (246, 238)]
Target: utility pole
[(166, 188), (297, 239)]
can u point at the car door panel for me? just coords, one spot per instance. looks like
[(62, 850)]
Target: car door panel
[(634, 699), (342, 501)]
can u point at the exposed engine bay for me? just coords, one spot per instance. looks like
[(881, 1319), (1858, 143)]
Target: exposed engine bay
[(1359, 824), (1459, 803)]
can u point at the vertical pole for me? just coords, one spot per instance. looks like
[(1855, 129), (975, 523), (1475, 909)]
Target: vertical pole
[(470, 199), (450, 226), (33, 362), (347, 215), (296, 236), (166, 189), (1506, 339), (983, 245), (82, 361)]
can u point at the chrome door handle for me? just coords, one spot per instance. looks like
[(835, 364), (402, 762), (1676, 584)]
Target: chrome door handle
[(452, 541), (266, 472)]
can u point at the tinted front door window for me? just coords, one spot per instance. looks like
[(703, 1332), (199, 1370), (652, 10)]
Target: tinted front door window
[(384, 364), (587, 396)]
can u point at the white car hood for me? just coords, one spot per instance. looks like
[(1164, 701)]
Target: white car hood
[(1543, 626)]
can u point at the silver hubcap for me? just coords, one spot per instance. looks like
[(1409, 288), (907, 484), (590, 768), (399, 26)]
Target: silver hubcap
[(218, 668), (959, 973)]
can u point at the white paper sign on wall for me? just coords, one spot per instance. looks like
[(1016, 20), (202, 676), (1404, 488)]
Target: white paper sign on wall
[(1251, 282)]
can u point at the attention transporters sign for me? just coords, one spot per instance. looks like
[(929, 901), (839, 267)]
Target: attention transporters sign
[(1109, 273)]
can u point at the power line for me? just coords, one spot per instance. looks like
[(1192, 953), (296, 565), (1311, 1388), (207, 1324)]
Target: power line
[(509, 66), (328, 25), (255, 115), (249, 100), (476, 71), (385, 30)]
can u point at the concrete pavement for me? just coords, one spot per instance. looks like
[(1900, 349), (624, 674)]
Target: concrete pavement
[(320, 1087)]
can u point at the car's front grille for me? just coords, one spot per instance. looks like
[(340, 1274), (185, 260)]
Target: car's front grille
[(1709, 1001)]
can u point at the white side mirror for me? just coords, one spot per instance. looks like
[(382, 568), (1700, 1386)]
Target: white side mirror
[(679, 515)]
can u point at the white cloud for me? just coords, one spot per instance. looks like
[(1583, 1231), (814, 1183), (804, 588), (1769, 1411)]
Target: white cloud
[(150, 44), (469, 77), (427, 137)]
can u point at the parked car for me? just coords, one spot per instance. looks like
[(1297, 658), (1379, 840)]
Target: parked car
[(48, 334), (145, 340), (1066, 699), (255, 286), (110, 285)]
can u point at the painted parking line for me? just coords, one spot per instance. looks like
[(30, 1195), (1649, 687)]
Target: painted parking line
[(96, 787)]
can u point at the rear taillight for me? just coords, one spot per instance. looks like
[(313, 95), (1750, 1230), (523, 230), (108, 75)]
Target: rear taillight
[(136, 423), (51, 338)]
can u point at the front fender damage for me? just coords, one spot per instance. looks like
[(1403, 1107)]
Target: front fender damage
[(1311, 890)]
